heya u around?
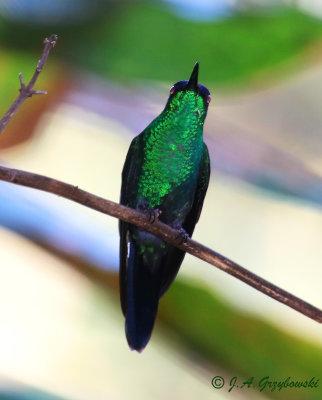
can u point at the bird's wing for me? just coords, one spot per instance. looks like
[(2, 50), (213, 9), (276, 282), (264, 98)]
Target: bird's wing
[(175, 256), (129, 180), (202, 186)]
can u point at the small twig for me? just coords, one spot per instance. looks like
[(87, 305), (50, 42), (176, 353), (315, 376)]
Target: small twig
[(161, 230), (27, 90)]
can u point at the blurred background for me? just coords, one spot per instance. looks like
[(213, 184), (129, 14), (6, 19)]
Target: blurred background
[(61, 327)]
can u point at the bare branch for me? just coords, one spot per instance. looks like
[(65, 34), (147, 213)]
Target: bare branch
[(161, 230), (27, 90), (39, 92), (22, 82)]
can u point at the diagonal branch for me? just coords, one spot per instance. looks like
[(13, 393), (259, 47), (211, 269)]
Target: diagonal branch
[(161, 230), (27, 90)]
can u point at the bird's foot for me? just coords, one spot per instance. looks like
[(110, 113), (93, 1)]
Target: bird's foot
[(152, 214), (182, 236)]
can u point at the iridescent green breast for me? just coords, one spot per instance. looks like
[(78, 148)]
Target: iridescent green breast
[(173, 147)]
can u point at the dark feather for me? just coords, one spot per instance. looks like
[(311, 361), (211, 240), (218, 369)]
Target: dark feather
[(129, 177), (143, 286)]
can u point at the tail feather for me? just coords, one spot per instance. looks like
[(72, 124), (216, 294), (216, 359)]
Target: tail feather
[(143, 287)]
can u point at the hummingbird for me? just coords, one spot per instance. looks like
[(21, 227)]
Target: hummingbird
[(166, 175)]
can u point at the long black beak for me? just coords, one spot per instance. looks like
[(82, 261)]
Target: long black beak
[(193, 80)]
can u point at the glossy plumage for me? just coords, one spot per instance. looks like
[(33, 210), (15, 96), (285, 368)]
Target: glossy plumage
[(166, 169)]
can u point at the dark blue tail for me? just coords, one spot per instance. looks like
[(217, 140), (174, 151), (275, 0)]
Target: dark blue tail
[(143, 288)]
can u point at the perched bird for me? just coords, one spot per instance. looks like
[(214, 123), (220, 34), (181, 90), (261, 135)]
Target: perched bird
[(166, 174)]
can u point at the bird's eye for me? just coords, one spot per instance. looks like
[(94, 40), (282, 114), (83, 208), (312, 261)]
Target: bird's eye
[(208, 98), (172, 90)]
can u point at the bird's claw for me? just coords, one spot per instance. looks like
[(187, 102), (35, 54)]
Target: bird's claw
[(182, 236), (155, 214), (152, 214)]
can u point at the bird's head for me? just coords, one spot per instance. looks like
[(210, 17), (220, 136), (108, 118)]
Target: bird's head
[(190, 96)]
